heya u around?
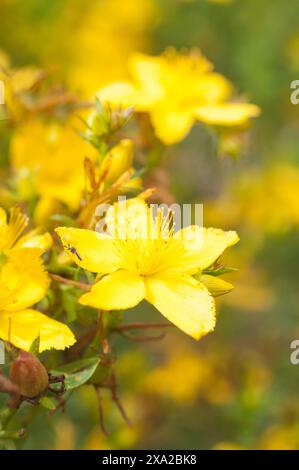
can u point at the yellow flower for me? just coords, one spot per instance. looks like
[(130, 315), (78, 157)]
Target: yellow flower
[(23, 282), (140, 257), (11, 233), (53, 156), (176, 89)]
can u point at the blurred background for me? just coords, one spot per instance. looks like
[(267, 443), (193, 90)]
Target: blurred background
[(236, 388)]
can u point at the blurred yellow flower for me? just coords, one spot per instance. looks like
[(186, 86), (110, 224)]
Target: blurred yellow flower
[(176, 89), (16, 82), (11, 233), (181, 378), (106, 33), (261, 201), (227, 445), (49, 158), (187, 376), (280, 437), (142, 258), (23, 282)]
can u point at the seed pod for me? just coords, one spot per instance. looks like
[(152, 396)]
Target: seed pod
[(28, 373)]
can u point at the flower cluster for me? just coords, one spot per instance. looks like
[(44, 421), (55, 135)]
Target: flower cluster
[(84, 183)]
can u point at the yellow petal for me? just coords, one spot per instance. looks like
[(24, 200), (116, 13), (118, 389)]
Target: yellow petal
[(3, 218), (23, 327), (215, 285), (147, 72), (16, 226), (184, 302), (171, 125), (128, 218), (23, 79), (125, 94), (33, 240), (3, 229), (23, 279), (118, 93), (90, 250), (227, 114), (117, 291), (204, 245), (211, 88), (44, 210)]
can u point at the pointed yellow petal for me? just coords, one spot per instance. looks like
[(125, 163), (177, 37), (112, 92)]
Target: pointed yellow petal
[(204, 245), (171, 125), (23, 279), (22, 328), (16, 225), (227, 114), (215, 285), (90, 250), (184, 302), (117, 291)]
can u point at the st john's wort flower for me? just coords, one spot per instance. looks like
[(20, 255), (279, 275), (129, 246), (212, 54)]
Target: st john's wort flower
[(176, 89), (141, 257)]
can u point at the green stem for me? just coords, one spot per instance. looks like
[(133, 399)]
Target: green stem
[(6, 415), (19, 434)]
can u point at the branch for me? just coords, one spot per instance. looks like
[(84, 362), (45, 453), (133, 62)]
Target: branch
[(140, 326), (70, 282)]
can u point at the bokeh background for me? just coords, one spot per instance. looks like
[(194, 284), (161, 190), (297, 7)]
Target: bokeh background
[(235, 388)]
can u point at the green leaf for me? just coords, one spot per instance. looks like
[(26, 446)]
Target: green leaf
[(79, 372), (219, 271), (47, 403)]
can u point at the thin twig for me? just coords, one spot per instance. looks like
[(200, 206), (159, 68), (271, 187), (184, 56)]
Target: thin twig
[(142, 338), (70, 282), (115, 398), (101, 411)]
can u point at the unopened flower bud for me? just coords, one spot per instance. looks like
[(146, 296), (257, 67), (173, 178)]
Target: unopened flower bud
[(98, 124), (28, 373), (119, 159), (215, 285)]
